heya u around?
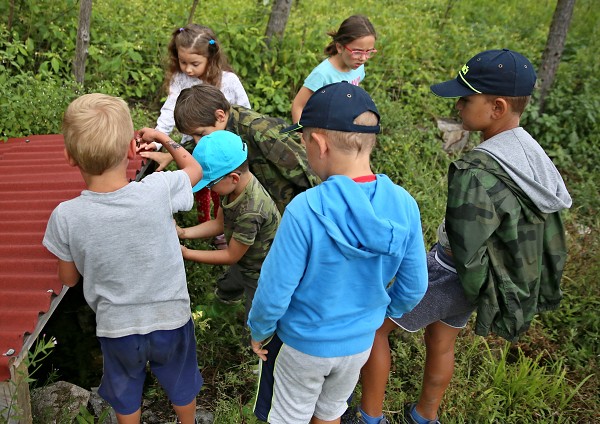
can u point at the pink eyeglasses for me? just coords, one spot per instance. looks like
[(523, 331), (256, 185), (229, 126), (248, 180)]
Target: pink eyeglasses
[(357, 54)]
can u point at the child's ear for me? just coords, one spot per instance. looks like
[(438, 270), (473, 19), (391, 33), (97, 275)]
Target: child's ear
[(235, 177), (132, 149), (321, 140), (68, 158), (220, 115), (500, 107)]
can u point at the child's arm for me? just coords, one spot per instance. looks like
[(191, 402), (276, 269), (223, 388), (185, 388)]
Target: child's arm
[(299, 103), (210, 228), (185, 161), (234, 252), (67, 273)]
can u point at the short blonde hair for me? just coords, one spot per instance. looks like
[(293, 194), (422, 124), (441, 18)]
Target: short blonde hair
[(98, 130), (351, 142)]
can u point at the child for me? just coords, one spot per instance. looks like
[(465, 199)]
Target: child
[(323, 289), (138, 291), (352, 45), (277, 160), (247, 216), (506, 240), (196, 56)]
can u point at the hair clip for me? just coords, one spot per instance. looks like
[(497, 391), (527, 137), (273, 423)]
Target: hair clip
[(181, 29), (211, 41)]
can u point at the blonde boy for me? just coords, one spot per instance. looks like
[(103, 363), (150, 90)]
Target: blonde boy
[(133, 274), (323, 289)]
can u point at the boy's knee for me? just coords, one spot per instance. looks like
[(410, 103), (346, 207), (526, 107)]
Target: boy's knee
[(440, 337)]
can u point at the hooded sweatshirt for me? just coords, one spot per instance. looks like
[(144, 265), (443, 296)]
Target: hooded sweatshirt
[(324, 284), (506, 232), (530, 168)]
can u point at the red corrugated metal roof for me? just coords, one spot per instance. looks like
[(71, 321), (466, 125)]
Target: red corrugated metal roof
[(34, 179)]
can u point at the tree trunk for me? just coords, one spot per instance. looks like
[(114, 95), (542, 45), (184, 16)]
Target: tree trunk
[(554, 47), (280, 13), (192, 11), (11, 14), (83, 40)]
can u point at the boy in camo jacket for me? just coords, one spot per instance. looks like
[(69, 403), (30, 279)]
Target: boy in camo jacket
[(248, 216), (277, 160), (502, 250)]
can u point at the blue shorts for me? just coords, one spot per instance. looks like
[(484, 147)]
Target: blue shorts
[(172, 358)]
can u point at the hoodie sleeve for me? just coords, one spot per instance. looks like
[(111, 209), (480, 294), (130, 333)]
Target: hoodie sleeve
[(280, 275), (410, 284)]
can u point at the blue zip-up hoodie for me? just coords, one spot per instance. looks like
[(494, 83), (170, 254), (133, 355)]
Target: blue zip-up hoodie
[(324, 284)]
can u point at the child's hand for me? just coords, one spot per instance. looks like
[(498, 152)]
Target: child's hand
[(146, 137), (184, 251), (162, 158), (180, 231), (257, 347)]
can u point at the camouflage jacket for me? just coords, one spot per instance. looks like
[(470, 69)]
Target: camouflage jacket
[(509, 255), (277, 160)]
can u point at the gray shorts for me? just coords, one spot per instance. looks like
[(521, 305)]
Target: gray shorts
[(294, 386), (444, 300)]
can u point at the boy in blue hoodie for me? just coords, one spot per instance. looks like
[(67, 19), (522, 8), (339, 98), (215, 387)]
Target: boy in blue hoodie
[(325, 285)]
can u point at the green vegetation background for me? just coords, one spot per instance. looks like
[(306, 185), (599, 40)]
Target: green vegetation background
[(550, 375)]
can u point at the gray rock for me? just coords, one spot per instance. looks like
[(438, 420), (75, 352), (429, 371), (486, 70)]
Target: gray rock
[(99, 406), (454, 136), (58, 402), (204, 417)]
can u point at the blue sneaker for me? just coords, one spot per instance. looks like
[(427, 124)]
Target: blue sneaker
[(408, 418), (353, 416)]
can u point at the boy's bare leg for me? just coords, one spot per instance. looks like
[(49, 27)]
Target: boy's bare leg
[(129, 418), (186, 414), (439, 367), (374, 374)]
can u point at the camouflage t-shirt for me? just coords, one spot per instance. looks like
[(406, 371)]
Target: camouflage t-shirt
[(251, 219), (277, 160), (509, 256)]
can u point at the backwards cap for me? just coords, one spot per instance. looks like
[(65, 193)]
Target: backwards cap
[(498, 72), (219, 153), (335, 107)]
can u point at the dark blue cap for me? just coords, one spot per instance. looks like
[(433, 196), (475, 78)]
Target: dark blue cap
[(497, 72), (335, 107)]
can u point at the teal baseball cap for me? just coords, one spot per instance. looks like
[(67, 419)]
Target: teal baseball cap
[(219, 153)]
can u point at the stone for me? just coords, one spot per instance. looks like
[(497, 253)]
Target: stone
[(454, 136), (99, 406), (58, 402), (204, 417)]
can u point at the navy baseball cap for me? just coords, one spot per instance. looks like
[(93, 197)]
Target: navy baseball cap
[(219, 153), (335, 107), (498, 72)]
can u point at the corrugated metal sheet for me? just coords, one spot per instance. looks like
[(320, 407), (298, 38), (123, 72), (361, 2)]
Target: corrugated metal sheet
[(34, 179)]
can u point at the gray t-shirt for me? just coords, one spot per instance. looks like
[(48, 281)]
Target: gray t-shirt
[(133, 273)]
